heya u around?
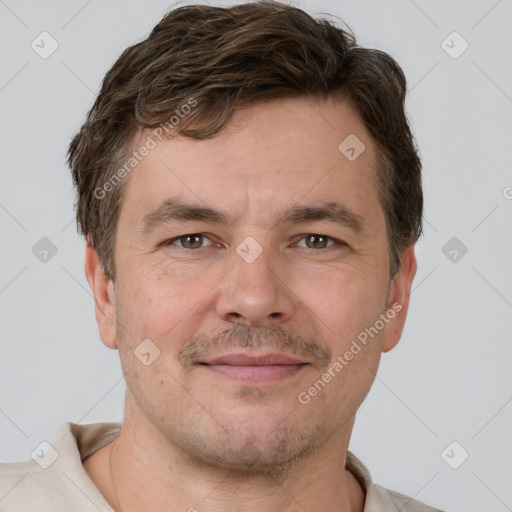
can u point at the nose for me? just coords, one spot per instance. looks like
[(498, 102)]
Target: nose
[(255, 293)]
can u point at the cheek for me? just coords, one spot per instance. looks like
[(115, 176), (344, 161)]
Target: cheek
[(357, 375), (345, 303), (342, 387), (156, 300)]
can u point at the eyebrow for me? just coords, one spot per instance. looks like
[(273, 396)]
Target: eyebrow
[(175, 210)]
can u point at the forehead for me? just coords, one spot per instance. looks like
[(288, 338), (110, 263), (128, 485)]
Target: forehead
[(270, 155)]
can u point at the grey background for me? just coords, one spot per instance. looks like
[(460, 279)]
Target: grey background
[(448, 379)]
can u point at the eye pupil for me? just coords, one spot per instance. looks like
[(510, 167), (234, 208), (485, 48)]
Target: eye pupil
[(312, 241), (194, 244)]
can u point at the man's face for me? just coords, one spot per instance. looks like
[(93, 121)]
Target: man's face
[(278, 279)]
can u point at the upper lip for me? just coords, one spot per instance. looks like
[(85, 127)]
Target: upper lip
[(244, 359)]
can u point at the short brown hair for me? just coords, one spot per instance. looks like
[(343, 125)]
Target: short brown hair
[(222, 59)]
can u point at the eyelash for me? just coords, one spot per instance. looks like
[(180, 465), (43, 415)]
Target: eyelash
[(330, 238)]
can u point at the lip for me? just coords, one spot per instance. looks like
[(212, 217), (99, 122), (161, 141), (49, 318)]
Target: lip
[(254, 369), (244, 359)]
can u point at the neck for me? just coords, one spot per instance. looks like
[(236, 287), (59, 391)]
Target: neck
[(141, 470)]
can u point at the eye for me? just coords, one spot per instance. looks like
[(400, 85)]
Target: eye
[(317, 241), (189, 241)]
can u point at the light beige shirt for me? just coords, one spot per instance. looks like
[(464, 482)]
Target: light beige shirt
[(54, 480)]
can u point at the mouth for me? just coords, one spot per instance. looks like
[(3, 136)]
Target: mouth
[(249, 368)]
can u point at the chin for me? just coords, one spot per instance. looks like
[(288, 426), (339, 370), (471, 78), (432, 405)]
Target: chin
[(249, 450)]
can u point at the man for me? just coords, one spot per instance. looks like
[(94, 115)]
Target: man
[(250, 194)]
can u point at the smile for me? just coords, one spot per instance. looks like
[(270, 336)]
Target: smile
[(256, 373), (250, 368)]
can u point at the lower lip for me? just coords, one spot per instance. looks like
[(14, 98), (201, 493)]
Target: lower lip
[(256, 373)]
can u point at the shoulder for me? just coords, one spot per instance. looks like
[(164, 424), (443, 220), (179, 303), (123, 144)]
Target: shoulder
[(12, 474), (25, 484), (381, 499), (54, 479)]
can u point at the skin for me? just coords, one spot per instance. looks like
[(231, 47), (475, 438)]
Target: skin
[(192, 438)]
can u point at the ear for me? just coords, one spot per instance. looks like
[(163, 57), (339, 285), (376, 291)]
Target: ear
[(104, 297), (399, 299)]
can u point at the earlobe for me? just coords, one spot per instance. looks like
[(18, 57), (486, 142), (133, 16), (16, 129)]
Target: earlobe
[(398, 301), (104, 297)]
